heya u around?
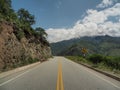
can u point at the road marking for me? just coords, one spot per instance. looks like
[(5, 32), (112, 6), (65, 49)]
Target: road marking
[(105, 80), (17, 77), (102, 78), (60, 85), (85, 68)]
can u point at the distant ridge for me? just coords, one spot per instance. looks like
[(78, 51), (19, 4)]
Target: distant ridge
[(106, 45)]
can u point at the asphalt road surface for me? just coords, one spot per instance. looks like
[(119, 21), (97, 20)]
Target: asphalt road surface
[(58, 73)]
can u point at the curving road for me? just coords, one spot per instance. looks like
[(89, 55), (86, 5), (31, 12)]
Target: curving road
[(58, 73)]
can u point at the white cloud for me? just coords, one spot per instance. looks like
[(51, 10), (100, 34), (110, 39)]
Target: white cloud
[(105, 3), (93, 24), (95, 16)]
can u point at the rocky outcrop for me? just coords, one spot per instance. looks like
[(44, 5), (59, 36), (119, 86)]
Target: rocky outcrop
[(15, 53)]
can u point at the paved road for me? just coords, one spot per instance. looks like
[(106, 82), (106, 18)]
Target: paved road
[(59, 74)]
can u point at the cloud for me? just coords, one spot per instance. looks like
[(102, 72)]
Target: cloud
[(93, 24), (105, 3), (95, 16)]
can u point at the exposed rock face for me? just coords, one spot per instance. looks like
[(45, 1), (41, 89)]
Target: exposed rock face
[(14, 53)]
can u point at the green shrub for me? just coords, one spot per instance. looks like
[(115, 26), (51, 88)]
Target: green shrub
[(19, 34), (31, 60), (78, 59), (1, 29), (1, 18), (113, 62), (96, 58)]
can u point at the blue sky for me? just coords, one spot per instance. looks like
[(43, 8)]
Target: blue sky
[(55, 13), (68, 19)]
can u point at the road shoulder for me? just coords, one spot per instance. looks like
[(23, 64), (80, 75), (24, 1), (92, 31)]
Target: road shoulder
[(10, 72)]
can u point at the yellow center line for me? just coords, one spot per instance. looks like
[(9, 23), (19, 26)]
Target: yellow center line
[(59, 78)]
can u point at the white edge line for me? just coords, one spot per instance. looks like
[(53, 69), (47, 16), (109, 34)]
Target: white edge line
[(98, 76), (103, 79), (16, 77)]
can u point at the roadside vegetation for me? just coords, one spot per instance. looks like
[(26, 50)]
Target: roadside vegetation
[(105, 63), (22, 22)]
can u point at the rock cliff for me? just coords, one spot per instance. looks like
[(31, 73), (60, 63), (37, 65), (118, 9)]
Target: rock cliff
[(15, 53)]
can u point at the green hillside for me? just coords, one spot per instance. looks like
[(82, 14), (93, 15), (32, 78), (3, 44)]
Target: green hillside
[(105, 45)]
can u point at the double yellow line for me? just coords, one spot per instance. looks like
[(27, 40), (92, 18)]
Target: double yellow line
[(59, 78)]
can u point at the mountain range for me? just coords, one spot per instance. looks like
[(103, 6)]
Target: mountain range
[(105, 45)]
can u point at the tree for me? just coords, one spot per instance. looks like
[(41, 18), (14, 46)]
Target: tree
[(41, 32), (5, 6), (6, 11), (41, 35), (26, 20), (25, 17)]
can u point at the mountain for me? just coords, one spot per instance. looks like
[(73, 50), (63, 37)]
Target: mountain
[(60, 46), (105, 45)]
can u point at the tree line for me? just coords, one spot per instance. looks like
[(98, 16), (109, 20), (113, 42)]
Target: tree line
[(22, 21)]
